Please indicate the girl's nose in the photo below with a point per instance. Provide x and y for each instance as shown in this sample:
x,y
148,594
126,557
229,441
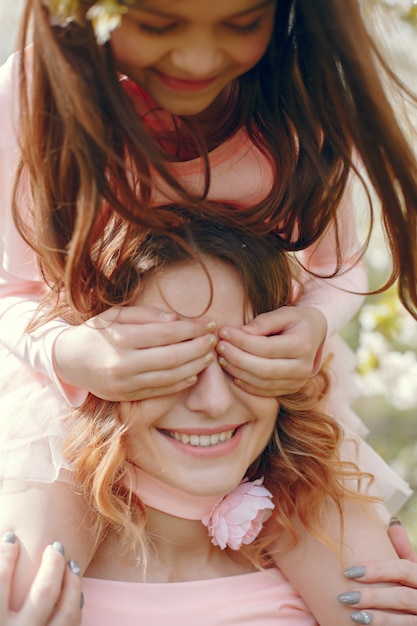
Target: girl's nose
x,y
212,393
198,58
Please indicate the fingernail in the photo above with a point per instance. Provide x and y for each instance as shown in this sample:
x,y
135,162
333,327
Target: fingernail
x,y
224,334
223,362
167,317
82,601
209,358
361,617
191,380
213,341
239,382
349,597
74,567
221,348
211,327
394,521
9,537
57,545
355,572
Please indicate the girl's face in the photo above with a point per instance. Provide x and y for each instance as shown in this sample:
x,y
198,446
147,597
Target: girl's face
x,y
201,440
184,53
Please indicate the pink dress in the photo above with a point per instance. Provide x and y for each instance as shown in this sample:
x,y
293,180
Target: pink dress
x,y
31,392
257,599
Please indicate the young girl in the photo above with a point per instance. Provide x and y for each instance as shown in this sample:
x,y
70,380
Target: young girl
x,y
124,106
177,532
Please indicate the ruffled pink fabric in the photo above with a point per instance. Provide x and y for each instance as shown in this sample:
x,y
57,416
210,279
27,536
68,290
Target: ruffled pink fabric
x,y
238,517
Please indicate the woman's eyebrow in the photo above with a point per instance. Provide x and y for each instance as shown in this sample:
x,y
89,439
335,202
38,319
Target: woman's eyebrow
x,y
148,8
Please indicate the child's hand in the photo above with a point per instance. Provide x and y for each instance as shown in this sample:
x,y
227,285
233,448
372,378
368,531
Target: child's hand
x,y
276,353
55,596
134,352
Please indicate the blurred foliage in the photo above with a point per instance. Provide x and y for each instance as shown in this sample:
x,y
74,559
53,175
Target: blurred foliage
x,y
384,337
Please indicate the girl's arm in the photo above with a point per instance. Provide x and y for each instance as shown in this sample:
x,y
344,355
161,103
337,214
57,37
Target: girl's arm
x,y
70,356
317,571
337,298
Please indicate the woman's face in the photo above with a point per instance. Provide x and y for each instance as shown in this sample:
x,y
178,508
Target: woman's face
x,y
184,53
201,440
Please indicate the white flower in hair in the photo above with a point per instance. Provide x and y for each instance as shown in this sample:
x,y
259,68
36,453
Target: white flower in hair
x,y
105,16
63,12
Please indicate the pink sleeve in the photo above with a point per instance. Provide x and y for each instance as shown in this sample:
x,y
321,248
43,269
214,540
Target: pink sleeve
x,y
334,297
21,284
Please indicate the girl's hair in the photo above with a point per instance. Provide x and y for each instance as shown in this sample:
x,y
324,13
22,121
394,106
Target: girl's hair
x,y
301,464
313,101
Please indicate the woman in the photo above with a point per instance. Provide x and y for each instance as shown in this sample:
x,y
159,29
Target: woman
x,y
153,470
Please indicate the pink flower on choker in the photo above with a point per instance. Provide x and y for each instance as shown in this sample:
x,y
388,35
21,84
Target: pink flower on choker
x,y
238,517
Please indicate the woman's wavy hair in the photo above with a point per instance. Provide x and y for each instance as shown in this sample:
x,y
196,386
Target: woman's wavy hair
x,y
315,99
301,464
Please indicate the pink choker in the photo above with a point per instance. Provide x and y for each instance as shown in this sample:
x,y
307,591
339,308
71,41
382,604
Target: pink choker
x,y
232,520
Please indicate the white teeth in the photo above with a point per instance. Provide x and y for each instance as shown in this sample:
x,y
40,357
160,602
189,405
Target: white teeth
x,y
203,440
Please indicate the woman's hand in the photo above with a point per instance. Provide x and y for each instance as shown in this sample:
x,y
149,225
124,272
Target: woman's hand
x,y
276,353
371,602
134,352
54,598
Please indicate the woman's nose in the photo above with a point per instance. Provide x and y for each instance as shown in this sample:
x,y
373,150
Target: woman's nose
x,y
211,394
198,58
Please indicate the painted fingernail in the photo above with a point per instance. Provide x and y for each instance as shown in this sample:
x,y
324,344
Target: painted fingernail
x,y
191,380
355,572
223,362
221,348
213,341
57,545
349,597
239,382
361,617
209,358
211,327
9,537
224,334
82,601
394,521
74,567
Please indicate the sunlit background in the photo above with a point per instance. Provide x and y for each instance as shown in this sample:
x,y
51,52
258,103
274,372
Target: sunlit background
x,y
383,335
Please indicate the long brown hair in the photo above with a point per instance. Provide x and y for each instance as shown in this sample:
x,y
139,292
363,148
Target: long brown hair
x,y
301,464
314,99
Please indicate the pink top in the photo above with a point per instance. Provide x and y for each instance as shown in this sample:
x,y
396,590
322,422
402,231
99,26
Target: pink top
x,y
256,599
239,174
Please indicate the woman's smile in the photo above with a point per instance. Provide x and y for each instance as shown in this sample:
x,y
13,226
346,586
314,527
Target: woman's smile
x,y
204,438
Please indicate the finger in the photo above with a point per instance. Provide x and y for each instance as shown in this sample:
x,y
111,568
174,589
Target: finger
x,y
170,356
68,611
401,541
396,570
162,382
131,315
141,336
264,356
398,598
379,618
9,552
46,588
264,375
274,322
